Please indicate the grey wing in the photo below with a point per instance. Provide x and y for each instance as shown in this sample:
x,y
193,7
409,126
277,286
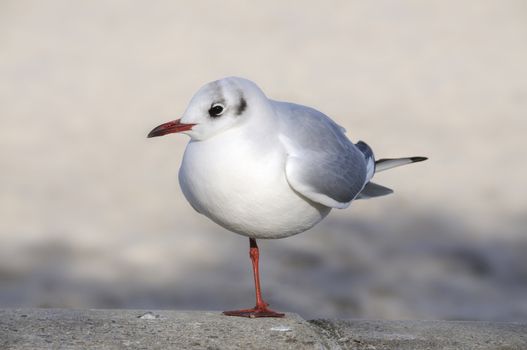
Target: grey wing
x,y
323,164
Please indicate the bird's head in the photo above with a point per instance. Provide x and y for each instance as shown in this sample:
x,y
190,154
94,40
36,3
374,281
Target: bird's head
x,y
216,107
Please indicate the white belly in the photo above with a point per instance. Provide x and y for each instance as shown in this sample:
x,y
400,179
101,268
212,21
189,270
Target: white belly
x,y
245,190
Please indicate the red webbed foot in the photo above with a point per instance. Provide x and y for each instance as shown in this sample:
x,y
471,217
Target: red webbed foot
x,y
261,311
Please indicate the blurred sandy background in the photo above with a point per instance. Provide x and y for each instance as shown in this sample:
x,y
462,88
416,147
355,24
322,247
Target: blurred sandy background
x,y
91,214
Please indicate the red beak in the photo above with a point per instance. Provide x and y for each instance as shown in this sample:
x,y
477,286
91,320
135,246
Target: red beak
x,y
169,128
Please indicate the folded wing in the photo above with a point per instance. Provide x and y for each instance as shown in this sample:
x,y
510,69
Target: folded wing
x,y
323,164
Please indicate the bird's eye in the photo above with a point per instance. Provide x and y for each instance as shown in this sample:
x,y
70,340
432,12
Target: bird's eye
x,y
216,110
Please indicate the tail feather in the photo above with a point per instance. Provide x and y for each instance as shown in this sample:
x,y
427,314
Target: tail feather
x,y
388,163
372,190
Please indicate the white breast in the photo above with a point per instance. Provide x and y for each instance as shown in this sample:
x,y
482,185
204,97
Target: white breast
x,y
242,186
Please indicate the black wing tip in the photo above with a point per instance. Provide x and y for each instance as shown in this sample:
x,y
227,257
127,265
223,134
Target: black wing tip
x,y
418,159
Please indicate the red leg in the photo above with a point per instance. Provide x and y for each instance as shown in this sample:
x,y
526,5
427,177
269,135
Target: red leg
x,y
260,310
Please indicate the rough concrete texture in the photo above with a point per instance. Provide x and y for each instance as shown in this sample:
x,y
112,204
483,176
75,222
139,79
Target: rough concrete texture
x,y
133,329
455,335
140,329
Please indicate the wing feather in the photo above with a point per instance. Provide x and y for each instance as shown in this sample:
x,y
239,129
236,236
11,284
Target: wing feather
x,y
323,164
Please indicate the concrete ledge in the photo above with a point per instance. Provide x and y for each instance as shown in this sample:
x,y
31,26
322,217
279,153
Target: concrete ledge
x,y
139,329
455,335
134,329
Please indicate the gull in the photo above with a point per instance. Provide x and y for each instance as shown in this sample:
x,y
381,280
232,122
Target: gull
x,y
267,169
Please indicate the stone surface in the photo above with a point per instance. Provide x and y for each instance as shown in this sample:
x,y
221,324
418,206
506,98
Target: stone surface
x,y
142,329
455,335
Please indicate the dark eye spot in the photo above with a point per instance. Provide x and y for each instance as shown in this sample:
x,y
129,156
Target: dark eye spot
x,y
241,106
216,110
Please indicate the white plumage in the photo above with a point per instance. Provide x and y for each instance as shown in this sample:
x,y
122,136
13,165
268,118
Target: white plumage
x,y
268,169
272,170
